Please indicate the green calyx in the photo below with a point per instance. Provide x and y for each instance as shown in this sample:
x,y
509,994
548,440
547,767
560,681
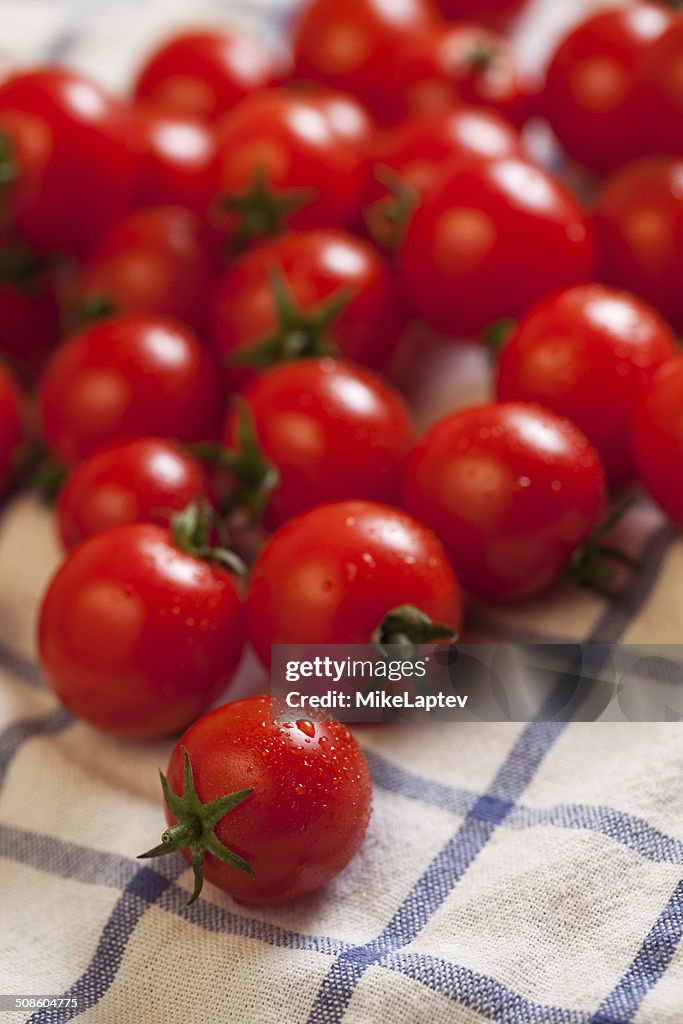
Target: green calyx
x,y
299,334
195,826
10,172
94,307
406,626
254,476
191,531
592,565
21,267
496,336
388,218
261,211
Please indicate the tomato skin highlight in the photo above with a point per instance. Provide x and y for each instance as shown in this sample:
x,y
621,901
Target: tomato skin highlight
x,y
591,90
363,47
658,439
138,481
175,157
11,427
638,218
574,348
136,637
309,811
75,169
489,239
511,490
331,429
131,376
290,141
331,574
315,266
205,73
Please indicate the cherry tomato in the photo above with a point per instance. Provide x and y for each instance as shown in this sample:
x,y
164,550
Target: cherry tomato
x,y
138,637
466,63
307,293
658,438
639,228
283,160
660,93
64,157
490,12
302,801
363,47
139,481
161,260
333,574
511,490
575,348
330,429
205,73
405,162
176,157
491,238
11,427
590,95
131,376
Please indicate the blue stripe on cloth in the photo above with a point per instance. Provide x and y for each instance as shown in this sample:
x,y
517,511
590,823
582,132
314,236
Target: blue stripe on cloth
x,y
440,877
627,829
20,668
96,867
12,738
479,992
145,887
648,967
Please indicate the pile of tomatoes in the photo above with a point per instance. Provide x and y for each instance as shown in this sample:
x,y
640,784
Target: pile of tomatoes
x,y
206,288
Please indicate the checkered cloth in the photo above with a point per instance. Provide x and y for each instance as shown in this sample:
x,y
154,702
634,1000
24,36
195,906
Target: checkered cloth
x,y
523,874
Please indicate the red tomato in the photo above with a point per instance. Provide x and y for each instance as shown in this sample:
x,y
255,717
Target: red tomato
x,y
658,438
466,64
64,153
491,238
139,481
11,427
284,161
159,260
132,376
205,73
330,429
332,575
302,801
575,348
511,490
137,636
335,293
176,157
413,155
590,95
29,311
660,93
491,12
363,47
639,228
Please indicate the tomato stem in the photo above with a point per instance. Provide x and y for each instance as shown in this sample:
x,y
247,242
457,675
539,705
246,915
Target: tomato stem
x,y
300,334
589,566
408,627
195,824
254,476
388,219
191,531
496,336
261,211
